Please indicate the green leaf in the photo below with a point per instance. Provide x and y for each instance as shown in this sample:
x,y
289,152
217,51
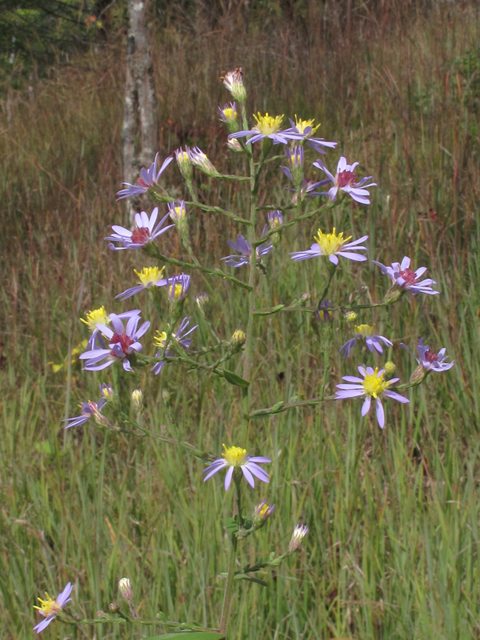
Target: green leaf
x,y
243,576
269,312
264,413
231,525
188,635
232,378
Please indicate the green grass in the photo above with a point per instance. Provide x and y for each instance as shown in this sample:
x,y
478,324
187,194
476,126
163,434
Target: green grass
x,y
393,514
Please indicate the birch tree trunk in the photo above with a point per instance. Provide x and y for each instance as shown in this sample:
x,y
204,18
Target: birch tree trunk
x,y
139,131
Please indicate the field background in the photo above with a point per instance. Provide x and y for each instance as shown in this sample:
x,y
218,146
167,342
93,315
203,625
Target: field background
x,y
393,514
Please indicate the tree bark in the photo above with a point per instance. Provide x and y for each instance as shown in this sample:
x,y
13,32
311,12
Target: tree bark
x,y
140,107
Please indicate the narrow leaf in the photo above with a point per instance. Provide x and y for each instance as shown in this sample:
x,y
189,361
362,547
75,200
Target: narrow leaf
x,y
232,378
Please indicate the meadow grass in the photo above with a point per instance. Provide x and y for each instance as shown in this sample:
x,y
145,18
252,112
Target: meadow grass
x,y
393,515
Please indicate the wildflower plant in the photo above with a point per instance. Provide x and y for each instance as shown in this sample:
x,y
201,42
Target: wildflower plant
x,y
121,338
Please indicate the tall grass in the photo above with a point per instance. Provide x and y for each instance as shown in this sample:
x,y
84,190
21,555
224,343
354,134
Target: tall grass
x,y
393,515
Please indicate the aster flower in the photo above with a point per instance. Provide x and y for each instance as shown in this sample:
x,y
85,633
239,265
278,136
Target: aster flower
x,y
50,608
373,385
180,336
89,410
406,279
275,219
178,287
346,181
233,81
236,457
302,131
266,127
372,340
148,178
332,245
149,277
323,314
122,342
100,316
430,360
177,210
245,248
184,162
229,115
295,162
145,231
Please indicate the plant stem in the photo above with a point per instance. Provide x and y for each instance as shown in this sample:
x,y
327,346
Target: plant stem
x,y
227,597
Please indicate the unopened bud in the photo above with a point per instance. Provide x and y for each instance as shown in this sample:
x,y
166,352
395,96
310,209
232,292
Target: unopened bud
x,y
298,535
202,301
238,339
351,316
137,401
323,314
389,368
234,145
418,375
184,163
201,161
229,115
393,294
107,392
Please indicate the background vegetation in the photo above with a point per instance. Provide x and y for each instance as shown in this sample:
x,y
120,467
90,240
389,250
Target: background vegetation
x,y
394,514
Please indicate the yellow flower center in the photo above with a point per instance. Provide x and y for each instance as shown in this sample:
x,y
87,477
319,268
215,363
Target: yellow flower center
x,y
229,113
294,159
97,316
389,367
177,292
364,330
303,124
183,157
149,275
267,124
374,384
263,510
235,456
159,340
330,243
49,607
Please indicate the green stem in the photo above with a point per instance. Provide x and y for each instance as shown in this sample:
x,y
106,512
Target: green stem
x,y
227,597
331,272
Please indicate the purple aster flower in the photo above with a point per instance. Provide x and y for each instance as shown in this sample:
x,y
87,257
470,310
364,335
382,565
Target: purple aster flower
x,y
275,219
430,360
373,386
100,316
149,277
50,608
346,181
89,410
402,276
148,178
245,248
295,161
266,127
180,336
178,287
122,342
323,314
331,245
302,131
372,341
236,457
145,231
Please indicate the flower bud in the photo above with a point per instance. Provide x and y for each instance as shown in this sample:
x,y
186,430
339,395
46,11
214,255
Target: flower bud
x,y
125,588
234,145
233,80
203,302
200,160
323,314
298,535
107,392
137,402
184,163
351,317
178,215
418,375
238,339
389,368
228,115
393,294
275,219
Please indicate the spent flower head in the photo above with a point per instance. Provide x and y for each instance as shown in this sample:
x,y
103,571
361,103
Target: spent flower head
x,y
372,384
298,536
234,458
233,81
332,245
50,607
200,160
